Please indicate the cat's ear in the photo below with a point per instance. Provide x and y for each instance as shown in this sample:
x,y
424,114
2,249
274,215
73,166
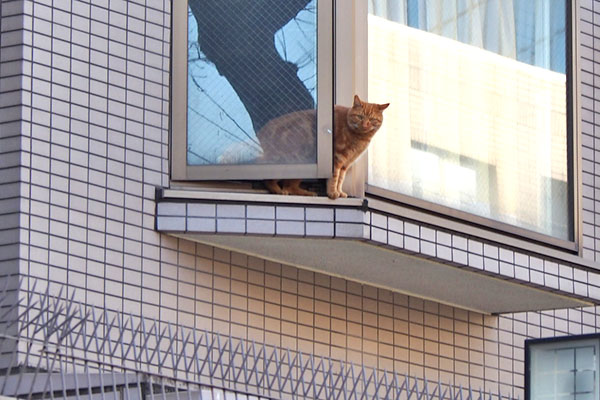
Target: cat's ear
x,y
357,102
383,106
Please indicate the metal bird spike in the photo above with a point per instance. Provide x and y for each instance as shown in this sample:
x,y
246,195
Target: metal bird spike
x,y
66,349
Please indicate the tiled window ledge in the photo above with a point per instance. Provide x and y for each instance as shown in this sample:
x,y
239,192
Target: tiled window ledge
x,y
243,197
242,221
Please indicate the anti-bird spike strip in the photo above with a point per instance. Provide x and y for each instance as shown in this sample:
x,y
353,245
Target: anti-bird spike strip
x,y
64,349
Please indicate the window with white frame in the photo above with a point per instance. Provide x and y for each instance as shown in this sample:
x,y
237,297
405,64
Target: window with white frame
x,y
563,369
480,122
481,125
239,69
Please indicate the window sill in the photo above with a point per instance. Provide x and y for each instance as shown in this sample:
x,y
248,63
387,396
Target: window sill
x,y
249,197
385,245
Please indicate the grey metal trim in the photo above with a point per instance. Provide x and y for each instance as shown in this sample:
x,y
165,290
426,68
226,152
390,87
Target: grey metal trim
x,y
361,44
325,34
575,128
29,382
248,171
178,90
322,168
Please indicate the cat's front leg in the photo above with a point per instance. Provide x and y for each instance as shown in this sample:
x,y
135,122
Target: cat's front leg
x,y
332,184
341,182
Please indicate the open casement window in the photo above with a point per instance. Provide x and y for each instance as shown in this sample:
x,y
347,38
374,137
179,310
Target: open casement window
x,y
562,369
252,89
481,122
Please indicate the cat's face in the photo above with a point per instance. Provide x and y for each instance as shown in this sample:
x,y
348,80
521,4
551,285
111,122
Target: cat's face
x,y
365,117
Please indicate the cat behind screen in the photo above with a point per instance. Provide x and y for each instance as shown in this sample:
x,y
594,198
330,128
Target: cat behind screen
x,y
290,139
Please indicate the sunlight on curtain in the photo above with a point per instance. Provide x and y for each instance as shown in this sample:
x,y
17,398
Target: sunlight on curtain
x,y
471,129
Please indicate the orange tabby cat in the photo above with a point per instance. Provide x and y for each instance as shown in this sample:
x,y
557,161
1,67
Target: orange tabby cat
x,y
353,130
291,139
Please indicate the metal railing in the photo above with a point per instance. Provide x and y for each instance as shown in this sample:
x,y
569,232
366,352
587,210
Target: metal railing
x,y
68,350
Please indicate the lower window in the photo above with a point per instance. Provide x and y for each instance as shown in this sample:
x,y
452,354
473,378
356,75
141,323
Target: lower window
x,y
562,369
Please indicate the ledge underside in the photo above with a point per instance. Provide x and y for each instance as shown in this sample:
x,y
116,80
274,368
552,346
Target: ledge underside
x,y
397,271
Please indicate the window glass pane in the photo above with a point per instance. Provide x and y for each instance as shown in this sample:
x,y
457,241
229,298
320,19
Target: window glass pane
x,y
585,374
565,359
564,383
584,382
585,396
563,371
251,82
546,384
546,361
478,115
585,357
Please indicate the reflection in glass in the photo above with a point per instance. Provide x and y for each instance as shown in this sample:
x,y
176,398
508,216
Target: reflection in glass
x,y
478,120
251,81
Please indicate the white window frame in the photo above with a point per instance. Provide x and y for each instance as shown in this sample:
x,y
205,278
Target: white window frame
x,y
180,171
345,41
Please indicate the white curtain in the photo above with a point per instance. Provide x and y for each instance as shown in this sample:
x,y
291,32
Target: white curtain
x,y
471,129
525,30
394,10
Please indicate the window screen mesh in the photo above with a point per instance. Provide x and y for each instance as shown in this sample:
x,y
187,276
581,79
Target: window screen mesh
x,y
251,81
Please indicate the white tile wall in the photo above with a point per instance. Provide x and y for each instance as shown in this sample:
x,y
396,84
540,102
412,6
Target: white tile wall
x,y
12,198
92,128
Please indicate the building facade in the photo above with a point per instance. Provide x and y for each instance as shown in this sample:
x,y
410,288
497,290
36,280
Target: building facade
x,y
90,216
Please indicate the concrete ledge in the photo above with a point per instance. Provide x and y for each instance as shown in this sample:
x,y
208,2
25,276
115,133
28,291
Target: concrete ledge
x,y
299,231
